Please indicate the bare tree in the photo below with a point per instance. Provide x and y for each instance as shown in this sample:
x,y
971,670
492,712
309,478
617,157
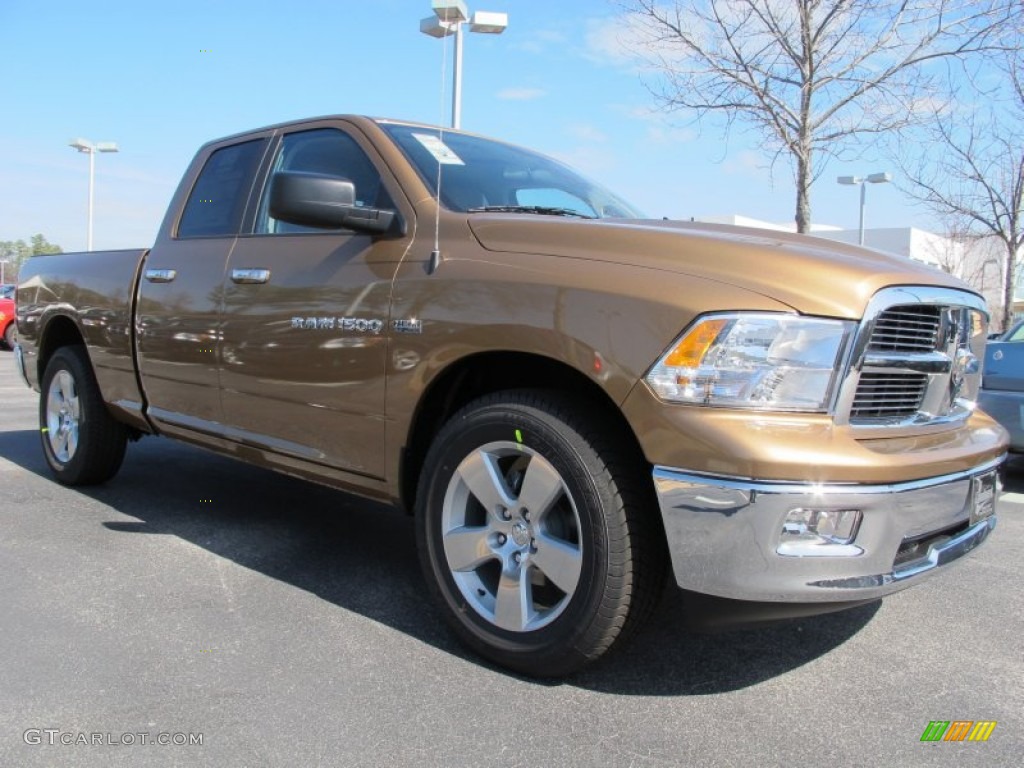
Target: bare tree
x,y
815,78
973,172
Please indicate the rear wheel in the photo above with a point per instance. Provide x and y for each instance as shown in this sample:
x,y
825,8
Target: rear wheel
x,y
82,443
532,533
9,336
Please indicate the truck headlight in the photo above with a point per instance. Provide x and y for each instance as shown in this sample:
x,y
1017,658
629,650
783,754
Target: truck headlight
x,y
754,360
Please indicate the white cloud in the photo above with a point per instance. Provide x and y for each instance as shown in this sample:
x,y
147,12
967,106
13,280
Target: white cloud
x,y
660,128
521,94
550,36
540,41
632,42
586,132
591,160
746,162
529,46
616,40
647,114
668,134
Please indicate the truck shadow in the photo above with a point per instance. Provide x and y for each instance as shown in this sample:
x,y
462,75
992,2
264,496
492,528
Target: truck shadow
x,y
361,556
668,659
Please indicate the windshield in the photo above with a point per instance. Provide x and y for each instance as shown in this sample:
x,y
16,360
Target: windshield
x,y
482,175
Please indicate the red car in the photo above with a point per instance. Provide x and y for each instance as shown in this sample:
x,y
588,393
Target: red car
x,y
7,322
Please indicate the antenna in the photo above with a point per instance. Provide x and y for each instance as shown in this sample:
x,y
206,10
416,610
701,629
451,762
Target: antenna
x,y
442,24
435,256
450,16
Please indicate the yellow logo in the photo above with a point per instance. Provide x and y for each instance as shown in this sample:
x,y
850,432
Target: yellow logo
x,y
958,730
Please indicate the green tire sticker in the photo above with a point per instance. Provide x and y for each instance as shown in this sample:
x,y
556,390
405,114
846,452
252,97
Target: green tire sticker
x,y
519,436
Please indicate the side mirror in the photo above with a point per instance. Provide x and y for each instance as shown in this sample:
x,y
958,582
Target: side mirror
x,y
327,202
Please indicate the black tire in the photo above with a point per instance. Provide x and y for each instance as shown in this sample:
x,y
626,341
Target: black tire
x,y
580,574
82,443
9,336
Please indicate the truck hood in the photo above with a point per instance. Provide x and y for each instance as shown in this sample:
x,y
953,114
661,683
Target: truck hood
x,y
812,275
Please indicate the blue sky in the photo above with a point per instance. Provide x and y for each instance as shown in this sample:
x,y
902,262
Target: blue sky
x,y
161,78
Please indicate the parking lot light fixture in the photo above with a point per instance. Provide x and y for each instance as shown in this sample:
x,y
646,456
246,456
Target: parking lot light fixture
x,y
449,18
87,147
859,181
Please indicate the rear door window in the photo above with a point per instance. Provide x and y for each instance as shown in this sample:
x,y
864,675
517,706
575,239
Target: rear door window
x,y
218,198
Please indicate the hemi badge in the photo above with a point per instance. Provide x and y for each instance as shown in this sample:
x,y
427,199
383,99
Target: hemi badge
x,y
407,326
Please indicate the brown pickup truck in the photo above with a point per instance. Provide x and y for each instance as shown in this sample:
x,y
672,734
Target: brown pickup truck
x,y
568,397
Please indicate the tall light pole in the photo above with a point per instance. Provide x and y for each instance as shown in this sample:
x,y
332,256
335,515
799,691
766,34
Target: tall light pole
x,y
448,19
874,178
83,145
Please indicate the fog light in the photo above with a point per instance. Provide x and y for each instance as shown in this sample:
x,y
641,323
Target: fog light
x,y
821,532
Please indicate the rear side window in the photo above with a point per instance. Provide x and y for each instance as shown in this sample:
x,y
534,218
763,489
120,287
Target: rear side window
x,y
218,198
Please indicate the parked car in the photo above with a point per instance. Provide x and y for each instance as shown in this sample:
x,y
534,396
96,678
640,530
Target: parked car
x,y
1014,333
7,326
1002,385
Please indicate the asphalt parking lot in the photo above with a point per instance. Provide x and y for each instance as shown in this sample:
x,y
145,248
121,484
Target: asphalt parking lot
x,y
285,624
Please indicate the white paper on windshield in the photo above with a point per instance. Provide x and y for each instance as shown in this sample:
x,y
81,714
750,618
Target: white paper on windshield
x,y
441,151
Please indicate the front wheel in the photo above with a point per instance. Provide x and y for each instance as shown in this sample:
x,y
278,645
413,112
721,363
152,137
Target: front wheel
x,y
9,336
533,535
82,443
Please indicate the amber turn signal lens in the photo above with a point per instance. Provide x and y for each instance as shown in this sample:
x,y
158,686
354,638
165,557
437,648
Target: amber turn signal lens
x,y
690,350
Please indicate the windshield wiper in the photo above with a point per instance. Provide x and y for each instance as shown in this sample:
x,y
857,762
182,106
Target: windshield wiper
x,y
543,210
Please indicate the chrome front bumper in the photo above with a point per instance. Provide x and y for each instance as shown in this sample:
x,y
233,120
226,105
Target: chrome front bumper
x,y
724,535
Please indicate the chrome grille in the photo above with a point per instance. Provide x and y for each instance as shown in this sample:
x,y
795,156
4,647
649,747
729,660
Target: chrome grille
x,y
888,396
916,362
906,328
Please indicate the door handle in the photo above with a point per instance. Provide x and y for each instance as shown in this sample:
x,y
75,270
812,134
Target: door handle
x,y
161,275
246,276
